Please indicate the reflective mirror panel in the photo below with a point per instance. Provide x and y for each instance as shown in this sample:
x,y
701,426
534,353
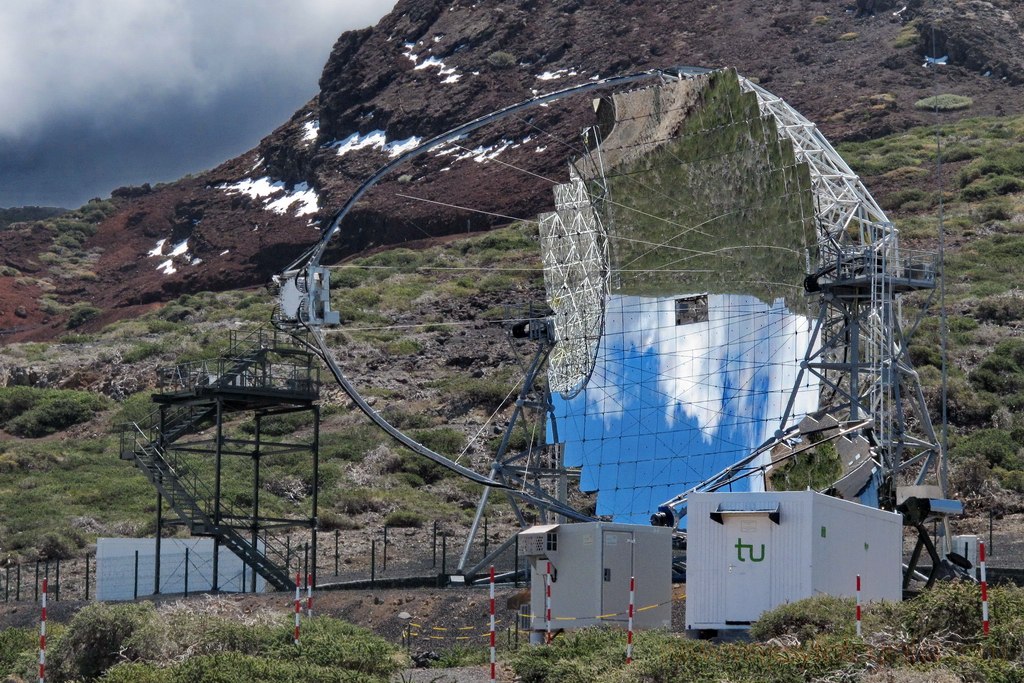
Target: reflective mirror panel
x,y
707,220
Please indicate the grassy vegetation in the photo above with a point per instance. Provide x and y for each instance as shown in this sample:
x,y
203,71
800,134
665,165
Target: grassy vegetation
x,y
136,642
809,640
944,102
33,413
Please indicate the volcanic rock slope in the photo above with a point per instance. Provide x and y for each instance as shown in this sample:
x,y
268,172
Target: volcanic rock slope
x,y
430,65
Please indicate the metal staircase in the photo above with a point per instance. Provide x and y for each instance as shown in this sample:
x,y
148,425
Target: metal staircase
x,y
258,372
194,503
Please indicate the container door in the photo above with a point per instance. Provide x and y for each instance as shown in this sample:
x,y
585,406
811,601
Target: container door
x,y
748,584
617,561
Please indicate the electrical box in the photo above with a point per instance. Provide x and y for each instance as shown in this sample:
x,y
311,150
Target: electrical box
x,y
590,567
750,552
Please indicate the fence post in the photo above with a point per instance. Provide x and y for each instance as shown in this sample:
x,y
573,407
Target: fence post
x,y
56,581
7,583
42,637
305,558
373,560
298,606
336,534
858,607
984,589
87,577
547,605
384,564
991,514
35,585
135,589
186,571
493,658
309,595
444,554
17,585
515,571
629,626
433,562
485,535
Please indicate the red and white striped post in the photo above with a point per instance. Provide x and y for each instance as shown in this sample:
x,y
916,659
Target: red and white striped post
x,y
984,589
42,636
629,625
494,660
309,595
298,604
858,606
547,605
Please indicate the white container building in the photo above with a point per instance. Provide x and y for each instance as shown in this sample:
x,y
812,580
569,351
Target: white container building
x,y
750,552
591,564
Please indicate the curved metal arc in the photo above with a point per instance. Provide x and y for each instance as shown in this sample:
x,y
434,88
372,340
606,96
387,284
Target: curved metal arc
x,y
418,448
313,255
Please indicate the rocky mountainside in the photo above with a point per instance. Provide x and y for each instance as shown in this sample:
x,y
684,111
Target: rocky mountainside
x,y
430,65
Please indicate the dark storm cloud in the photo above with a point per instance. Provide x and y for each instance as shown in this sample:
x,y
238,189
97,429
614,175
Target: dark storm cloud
x,y
102,93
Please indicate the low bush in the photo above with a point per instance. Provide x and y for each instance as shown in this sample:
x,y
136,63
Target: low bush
x,y
501,59
32,413
358,501
15,645
101,635
806,619
405,519
81,314
332,521
944,102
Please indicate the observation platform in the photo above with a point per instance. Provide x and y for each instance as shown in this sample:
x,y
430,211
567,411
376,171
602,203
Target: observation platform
x,y
267,374
859,272
262,370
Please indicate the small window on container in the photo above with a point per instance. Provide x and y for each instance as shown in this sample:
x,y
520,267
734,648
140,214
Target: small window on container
x,y
552,544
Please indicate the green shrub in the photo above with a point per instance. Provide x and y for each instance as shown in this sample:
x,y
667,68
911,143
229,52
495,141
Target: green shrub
x,y
993,446
443,440
944,102
352,444
331,521
60,546
908,36
135,672
81,314
421,466
1001,310
358,501
234,667
852,35
1002,371
806,619
100,635
501,59
142,352
404,518
279,425
334,643
15,644
32,413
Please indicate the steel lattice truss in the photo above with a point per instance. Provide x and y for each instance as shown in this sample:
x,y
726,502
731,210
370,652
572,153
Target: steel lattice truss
x,y
858,350
574,250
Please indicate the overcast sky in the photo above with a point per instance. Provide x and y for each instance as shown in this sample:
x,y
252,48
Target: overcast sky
x,y
95,94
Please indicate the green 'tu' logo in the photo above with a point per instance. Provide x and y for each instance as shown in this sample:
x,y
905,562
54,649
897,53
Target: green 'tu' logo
x,y
740,546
